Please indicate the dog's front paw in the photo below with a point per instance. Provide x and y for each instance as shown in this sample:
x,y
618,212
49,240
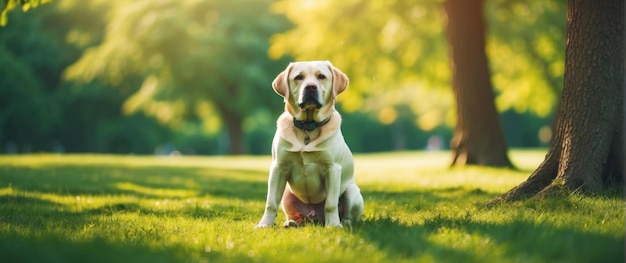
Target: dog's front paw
x,y
261,225
334,225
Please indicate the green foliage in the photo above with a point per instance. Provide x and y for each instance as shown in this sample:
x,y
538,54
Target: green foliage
x,y
12,4
97,208
399,55
527,54
31,62
197,58
147,74
99,126
363,133
381,53
517,137
24,112
40,112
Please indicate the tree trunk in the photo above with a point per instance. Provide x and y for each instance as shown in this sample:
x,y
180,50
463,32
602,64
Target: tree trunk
x,y
235,135
478,137
233,122
587,153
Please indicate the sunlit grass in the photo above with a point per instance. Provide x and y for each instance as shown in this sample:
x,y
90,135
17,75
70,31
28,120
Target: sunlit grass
x,y
101,208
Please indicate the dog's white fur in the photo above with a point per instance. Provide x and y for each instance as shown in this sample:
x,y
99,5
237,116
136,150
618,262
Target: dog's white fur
x,y
320,171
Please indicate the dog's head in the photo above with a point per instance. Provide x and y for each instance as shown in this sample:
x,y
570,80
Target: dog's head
x,y
310,88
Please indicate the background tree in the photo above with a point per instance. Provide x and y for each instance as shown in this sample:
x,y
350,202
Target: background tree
x,y
587,153
397,60
478,137
23,110
392,57
39,111
198,59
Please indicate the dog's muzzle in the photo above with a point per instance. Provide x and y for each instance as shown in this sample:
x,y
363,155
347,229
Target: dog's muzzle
x,y
310,97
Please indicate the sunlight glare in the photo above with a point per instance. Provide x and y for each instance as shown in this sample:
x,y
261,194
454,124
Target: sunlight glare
x,y
387,115
162,192
430,119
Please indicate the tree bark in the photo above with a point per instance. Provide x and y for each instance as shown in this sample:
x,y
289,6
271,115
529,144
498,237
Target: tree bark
x,y
587,153
478,137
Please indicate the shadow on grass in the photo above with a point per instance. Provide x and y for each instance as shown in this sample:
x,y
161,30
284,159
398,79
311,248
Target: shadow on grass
x,y
34,229
142,182
400,241
192,187
404,241
59,249
427,199
37,230
521,240
526,240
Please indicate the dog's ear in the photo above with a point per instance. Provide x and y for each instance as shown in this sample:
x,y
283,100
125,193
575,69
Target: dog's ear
x,y
281,82
340,80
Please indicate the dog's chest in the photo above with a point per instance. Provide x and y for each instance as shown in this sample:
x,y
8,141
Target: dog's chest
x,y
308,174
308,164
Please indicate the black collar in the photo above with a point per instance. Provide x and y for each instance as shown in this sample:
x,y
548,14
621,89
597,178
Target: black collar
x,y
309,125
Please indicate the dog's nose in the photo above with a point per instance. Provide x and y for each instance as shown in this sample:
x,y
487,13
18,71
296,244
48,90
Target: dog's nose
x,y
310,87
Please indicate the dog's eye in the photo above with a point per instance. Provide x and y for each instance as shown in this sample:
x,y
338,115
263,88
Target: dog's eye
x,y
299,77
321,76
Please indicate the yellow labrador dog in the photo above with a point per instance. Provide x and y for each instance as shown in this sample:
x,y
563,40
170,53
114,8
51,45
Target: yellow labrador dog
x,y
312,167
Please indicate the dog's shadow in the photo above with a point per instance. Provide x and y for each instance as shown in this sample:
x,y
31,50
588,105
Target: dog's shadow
x,y
391,232
401,241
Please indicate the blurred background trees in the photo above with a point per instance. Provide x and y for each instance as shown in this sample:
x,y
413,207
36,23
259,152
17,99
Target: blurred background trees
x,y
194,76
200,61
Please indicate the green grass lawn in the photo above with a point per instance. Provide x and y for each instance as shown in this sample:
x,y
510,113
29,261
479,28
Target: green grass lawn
x,y
104,208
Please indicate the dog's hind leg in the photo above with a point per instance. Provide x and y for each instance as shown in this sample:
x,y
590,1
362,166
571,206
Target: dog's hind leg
x,y
295,210
353,205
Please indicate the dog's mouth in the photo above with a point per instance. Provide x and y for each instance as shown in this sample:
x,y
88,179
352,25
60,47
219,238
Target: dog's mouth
x,y
309,100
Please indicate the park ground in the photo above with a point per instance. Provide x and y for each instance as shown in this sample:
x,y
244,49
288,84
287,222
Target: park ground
x,y
123,208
